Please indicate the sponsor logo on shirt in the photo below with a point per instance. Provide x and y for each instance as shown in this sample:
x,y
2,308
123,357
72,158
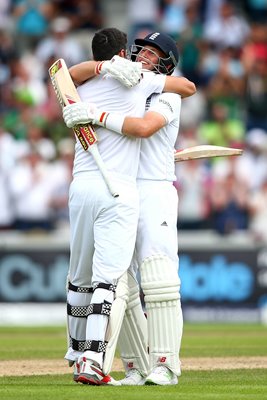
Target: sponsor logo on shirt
x,y
166,103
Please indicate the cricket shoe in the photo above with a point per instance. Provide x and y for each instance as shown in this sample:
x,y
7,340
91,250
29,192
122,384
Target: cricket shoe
x,y
76,371
90,374
133,378
161,375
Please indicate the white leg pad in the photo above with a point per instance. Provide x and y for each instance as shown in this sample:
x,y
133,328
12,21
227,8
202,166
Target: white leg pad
x,y
161,284
115,321
76,327
133,341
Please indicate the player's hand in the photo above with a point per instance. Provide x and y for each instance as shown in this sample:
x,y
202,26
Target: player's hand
x,y
81,113
127,72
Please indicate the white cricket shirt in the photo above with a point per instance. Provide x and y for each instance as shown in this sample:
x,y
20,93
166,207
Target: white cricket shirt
x,y
120,153
157,151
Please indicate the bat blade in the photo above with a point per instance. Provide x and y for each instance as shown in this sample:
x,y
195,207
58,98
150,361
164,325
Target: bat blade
x,y
205,151
66,93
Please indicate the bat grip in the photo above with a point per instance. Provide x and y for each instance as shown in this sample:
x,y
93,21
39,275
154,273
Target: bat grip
x,y
102,168
88,139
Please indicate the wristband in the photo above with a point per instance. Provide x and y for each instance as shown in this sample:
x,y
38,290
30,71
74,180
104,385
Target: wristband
x,y
114,122
103,118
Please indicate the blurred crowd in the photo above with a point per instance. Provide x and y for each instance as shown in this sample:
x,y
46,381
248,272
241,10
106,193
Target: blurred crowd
x,y
223,50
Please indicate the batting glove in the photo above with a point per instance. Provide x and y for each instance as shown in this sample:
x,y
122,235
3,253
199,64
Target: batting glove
x,y
83,113
127,72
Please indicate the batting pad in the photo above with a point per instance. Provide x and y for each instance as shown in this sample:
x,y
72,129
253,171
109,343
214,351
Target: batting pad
x,y
133,341
115,321
76,323
161,285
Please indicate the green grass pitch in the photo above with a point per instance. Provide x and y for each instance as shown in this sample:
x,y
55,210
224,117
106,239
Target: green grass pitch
x,y
198,341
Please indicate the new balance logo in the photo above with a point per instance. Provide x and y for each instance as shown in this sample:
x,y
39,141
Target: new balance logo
x,y
164,224
162,359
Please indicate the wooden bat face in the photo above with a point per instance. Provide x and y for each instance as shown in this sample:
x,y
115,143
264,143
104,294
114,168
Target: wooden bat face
x,y
205,151
66,93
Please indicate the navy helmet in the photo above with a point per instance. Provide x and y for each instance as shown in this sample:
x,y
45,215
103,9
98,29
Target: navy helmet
x,y
164,43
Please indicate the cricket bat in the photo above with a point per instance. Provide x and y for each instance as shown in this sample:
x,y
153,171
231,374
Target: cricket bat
x,y
67,94
205,151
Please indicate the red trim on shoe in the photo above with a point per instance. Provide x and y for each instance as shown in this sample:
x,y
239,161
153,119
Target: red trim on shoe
x,y
88,381
97,370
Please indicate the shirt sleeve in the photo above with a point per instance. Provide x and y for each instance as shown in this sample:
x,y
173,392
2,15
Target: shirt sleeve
x,y
168,105
152,83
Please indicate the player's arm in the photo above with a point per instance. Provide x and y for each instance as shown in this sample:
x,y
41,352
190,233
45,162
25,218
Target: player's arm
x,y
80,73
82,113
180,85
121,70
161,114
125,71
142,127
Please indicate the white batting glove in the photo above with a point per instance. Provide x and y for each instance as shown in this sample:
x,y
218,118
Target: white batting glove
x,y
127,72
82,113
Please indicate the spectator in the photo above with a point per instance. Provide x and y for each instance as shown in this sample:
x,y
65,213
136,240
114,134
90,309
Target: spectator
x,y
225,83
221,130
142,18
189,43
31,183
256,94
173,19
60,44
5,15
198,103
192,185
229,205
7,162
251,167
228,30
62,169
32,19
255,46
83,14
27,87
211,10
36,140
258,213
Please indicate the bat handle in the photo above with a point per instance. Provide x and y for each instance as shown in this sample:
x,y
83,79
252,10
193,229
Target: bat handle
x,y
102,168
88,139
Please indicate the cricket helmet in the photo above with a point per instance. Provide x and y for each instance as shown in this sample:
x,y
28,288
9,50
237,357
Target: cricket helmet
x,y
164,43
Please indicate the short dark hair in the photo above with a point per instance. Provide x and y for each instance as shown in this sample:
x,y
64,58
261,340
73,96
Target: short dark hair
x,y
107,43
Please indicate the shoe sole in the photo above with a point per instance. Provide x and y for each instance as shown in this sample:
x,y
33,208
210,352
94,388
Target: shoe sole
x,y
150,383
88,380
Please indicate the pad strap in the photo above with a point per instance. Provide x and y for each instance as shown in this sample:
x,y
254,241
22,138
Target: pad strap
x,y
77,345
80,289
95,345
84,311
107,286
84,345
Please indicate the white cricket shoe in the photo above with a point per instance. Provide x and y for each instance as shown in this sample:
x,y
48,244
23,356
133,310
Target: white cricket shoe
x,y
90,374
133,377
161,375
76,371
